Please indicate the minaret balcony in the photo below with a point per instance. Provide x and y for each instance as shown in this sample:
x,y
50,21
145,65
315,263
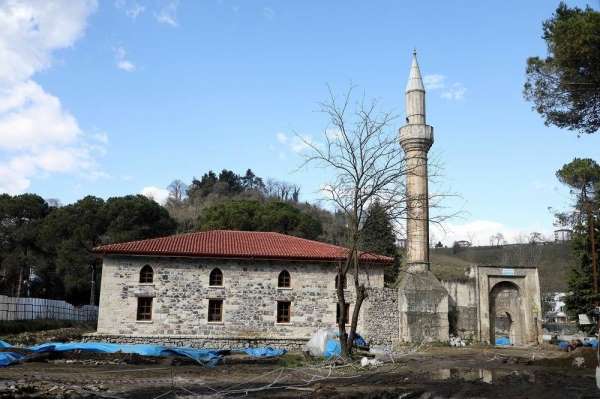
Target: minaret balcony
x,y
416,135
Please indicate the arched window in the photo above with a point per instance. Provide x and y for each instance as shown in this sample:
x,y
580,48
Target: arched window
x,y
284,280
216,277
146,274
344,282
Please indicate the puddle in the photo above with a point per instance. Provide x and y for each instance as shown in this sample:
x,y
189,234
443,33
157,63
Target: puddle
x,y
475,374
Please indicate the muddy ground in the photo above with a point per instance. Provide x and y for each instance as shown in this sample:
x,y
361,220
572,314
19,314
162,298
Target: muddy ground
x,y
432,373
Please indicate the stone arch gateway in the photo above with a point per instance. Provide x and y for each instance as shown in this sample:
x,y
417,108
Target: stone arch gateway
x,y
509,304
506,313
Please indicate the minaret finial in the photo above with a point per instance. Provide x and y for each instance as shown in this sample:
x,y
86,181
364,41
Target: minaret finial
x,y
415,81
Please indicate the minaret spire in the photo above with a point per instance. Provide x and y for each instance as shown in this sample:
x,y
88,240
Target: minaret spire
x,y
415,94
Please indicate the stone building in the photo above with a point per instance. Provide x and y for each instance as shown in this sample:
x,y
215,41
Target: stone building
x,y
225,288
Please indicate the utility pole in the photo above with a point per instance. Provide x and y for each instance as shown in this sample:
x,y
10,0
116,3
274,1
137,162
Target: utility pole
x,y
93,285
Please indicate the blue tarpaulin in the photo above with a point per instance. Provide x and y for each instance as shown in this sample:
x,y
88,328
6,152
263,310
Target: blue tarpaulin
x,y
8,358
333,347
502,341
359,341
205,356
264,352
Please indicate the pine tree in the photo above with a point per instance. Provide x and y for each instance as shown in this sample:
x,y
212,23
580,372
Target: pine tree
x,y
582,176
378,236
581,299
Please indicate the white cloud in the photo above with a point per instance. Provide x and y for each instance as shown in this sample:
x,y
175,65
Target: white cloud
x,y
168,13
121,59
135,10
132,9
37,134
434,81
31,30
299,144
295,143
31,118
454,91
281,137
157,194
268,13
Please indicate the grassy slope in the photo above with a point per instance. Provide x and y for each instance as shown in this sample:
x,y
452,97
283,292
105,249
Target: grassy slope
x,y
554,262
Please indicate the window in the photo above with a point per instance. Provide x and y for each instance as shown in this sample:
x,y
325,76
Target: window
x,y
283,311
337,313
216,277
146,274
284,280
144,308
215,310
344,282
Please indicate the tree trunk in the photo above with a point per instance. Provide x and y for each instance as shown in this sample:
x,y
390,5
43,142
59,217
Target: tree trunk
x,y
341,277
361,294
594,256
20,282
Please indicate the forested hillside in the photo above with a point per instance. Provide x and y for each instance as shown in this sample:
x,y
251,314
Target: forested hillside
x,y
554,261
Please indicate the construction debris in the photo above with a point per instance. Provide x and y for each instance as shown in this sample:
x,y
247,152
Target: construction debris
x,y
456,342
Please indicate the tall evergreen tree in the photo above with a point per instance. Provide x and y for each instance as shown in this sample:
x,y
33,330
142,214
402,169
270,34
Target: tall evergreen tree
x,y
378,236
582,176
564,86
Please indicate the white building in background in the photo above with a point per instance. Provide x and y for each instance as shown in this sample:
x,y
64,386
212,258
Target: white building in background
x,y
562,235
558,310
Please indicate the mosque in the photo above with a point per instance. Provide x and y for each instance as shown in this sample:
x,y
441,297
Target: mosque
x,y
233,288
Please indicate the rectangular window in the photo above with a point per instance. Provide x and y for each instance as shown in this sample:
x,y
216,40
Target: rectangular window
x,y
215,310
283,311
144,309
337,313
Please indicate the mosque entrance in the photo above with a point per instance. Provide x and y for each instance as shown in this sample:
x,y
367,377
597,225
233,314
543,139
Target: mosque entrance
x,y
506,315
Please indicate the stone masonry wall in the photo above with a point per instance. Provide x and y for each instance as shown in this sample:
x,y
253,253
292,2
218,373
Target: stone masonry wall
x,y
250,294
193,341
380,317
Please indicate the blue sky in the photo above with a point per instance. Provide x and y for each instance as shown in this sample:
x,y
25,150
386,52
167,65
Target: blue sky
x,y
114,97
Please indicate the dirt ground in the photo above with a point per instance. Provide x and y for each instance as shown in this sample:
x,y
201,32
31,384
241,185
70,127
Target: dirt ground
x,y
435,372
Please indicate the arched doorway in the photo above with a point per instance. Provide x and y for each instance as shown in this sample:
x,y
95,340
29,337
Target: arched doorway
x,y
506,314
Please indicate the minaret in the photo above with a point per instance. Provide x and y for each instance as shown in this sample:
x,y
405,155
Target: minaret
x,y
416,138
422,299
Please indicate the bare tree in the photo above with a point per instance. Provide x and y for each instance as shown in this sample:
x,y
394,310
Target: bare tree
x,y
369,166
281,190
177,190
471,237
497,239
536,238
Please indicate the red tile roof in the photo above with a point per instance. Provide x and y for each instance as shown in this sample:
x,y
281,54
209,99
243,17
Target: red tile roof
x,y
237,244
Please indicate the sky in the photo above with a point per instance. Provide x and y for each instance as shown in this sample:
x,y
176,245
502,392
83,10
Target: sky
x,y
120,97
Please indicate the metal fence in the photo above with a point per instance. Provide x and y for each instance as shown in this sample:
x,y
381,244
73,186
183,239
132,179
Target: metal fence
x,y
44,309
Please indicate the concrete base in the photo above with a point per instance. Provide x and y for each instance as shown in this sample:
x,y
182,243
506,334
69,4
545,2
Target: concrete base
x,y
423,308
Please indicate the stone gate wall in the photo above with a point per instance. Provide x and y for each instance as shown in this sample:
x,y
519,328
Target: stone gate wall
x,y
462,308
